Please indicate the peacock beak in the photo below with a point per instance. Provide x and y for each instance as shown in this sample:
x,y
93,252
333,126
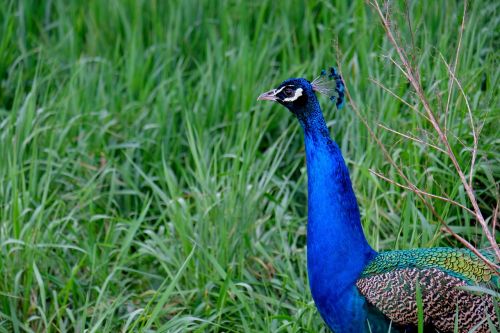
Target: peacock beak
x,y
268,96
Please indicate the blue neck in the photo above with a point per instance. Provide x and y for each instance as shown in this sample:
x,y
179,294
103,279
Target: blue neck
x,y
337,250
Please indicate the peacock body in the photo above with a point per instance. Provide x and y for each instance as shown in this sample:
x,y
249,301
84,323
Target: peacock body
x,y
355,288
391,278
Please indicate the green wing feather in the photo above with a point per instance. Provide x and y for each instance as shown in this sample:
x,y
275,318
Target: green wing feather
x,y
390,280
460,263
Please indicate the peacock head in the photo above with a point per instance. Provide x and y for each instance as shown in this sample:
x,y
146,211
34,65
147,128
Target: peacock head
x,y
295,94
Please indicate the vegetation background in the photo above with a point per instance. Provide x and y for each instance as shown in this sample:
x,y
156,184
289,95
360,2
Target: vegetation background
x,y
143,188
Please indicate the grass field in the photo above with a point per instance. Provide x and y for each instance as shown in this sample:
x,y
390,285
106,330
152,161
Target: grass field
x,y
143,188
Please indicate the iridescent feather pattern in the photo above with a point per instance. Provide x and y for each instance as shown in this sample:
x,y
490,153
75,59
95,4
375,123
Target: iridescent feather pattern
x,y
460,263
390,280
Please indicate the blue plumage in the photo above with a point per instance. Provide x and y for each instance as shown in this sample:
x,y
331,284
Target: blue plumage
x,y
337,250
355,288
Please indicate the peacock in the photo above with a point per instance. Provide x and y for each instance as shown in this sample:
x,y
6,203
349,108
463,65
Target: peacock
x,y
355,288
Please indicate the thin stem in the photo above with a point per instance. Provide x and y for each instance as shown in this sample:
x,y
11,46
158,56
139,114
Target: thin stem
x,y
412,75
416,190
411,185
407,136
401,99
469,112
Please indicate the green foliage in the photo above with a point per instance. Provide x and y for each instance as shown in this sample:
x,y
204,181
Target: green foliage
x,y
142,187
420,309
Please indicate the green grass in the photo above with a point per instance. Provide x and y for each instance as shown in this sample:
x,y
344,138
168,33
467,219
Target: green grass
x,y
143,188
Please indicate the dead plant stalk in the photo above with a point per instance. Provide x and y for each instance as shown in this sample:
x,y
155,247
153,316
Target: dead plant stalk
x,y
412,75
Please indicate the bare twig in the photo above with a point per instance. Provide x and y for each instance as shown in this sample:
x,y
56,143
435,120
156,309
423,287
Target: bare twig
x,y
495,217
474,132
416,190
410,137
413,77
401,99
450,83
412,36
410,184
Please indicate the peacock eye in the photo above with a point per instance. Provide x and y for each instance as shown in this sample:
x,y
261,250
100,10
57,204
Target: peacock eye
x,y
288,92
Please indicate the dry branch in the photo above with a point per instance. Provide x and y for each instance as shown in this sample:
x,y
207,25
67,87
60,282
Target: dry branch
x,y
412,75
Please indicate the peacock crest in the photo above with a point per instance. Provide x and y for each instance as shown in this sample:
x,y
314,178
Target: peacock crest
x,y
330,84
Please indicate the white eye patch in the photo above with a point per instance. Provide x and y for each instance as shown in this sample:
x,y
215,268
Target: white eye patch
x,y
276,92
297,94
